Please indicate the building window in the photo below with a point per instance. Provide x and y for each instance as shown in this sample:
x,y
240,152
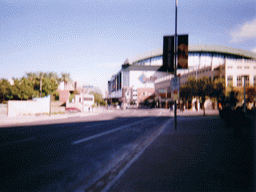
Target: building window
x,y
88,99
247,81
230,67
246,67
239,81
239,67
230,81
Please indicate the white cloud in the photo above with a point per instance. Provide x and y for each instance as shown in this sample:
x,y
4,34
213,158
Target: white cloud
x,y
244,32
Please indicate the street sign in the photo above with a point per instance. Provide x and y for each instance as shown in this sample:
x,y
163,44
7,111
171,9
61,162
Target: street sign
x,y
175,88
175,83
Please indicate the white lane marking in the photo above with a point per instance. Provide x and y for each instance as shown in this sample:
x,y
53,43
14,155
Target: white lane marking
x,y
107,132
128,165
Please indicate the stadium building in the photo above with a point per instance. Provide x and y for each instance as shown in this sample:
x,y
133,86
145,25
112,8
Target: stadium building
x,y
141,79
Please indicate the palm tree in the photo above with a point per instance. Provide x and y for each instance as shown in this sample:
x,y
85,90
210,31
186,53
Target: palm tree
x,y
66,78
52,76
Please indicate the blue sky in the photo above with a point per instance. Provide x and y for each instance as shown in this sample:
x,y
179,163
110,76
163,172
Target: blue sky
x,y
90,39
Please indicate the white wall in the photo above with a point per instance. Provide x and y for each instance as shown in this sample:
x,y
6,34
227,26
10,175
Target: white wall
x,y
28,107
61,86
240,67
88,99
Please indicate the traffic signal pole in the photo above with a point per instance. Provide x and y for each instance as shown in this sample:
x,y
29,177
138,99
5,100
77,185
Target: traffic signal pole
x,y
175,62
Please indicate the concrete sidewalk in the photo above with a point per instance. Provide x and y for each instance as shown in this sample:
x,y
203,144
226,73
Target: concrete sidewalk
x,y
22,119
17,120
202,155
200,112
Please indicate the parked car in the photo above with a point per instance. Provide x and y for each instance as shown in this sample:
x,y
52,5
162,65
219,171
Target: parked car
x,y
73,110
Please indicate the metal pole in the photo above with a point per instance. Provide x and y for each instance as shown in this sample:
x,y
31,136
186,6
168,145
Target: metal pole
x,y
40,85
50,110
166,99
244,95
175,62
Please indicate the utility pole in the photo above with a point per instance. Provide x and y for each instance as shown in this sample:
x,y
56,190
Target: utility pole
x,y
40,85
50,109
175,62
245,77
166,99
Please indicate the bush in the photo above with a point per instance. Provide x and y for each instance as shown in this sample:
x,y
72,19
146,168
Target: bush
x,y
102,103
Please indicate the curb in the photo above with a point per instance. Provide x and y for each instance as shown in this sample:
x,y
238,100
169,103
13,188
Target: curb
x,y
18,120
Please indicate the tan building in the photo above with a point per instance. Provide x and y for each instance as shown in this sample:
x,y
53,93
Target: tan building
x,y
217,62
142,72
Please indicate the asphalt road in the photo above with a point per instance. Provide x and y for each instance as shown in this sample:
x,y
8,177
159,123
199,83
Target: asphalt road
x,y
75,154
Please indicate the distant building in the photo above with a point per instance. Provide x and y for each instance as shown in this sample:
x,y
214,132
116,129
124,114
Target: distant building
x,y
140,78
133,83
216,62
65,90
85,100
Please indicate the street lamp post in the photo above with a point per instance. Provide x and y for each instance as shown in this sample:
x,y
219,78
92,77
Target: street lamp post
x,y
175,62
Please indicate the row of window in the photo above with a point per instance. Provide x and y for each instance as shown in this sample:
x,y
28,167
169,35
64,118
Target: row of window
x,y
239,81
194,73
240,67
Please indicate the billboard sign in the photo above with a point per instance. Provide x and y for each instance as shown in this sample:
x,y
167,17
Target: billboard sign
x,y
182,52
168,54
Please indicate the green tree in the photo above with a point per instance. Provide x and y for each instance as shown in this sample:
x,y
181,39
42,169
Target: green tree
x,y
186,93
43,83
5,90
49,86
189,90
36,78
98,98
53,76
204,89
192,85
251,93
22,89
201,88
218,88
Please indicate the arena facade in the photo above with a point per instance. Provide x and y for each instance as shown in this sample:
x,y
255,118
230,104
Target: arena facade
x,y
140,77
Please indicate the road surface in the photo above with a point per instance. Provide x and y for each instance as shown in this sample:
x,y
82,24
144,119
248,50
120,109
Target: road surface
x,y
74,155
